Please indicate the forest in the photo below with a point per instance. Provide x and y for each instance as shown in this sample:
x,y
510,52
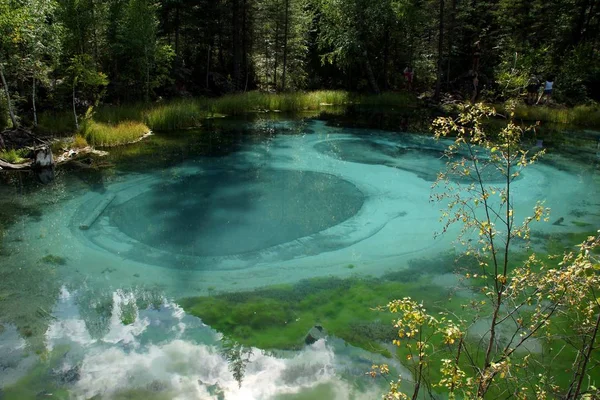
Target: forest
x,y
63,54
299,199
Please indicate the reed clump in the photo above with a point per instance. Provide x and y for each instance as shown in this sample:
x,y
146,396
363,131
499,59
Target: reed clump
x,y
106,135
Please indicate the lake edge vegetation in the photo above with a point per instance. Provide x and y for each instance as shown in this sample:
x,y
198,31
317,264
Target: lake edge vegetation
x,y
66,56
539,300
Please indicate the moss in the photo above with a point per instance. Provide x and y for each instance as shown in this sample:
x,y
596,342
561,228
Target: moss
x,y
581,224
558,243
280,317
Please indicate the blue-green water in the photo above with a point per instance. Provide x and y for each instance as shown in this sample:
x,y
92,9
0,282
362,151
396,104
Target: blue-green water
x,y
93,312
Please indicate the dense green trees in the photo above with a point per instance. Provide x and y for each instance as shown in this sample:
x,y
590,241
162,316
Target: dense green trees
x,y
171,48
29,49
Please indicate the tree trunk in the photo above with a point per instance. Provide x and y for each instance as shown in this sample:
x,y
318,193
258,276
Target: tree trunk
x,y
94,31
586,358
177,23
275,55
35,122
208,66
386,55
237,56
147,61
74,109
285,43
10,109
438,83
371,75
266,69
450,38
578,30
220,49
245,43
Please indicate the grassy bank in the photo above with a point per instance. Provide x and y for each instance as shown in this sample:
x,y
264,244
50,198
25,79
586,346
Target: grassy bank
x,y
189,113
583,116
105,135
176,115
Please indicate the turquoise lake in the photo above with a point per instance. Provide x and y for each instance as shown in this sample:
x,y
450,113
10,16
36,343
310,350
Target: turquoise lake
x,y
92,266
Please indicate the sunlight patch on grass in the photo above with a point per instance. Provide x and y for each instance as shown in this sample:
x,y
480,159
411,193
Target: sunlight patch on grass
x,y
585,116
105,135
14,156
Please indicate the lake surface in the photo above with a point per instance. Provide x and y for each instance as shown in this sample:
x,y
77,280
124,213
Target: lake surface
x,y
93,266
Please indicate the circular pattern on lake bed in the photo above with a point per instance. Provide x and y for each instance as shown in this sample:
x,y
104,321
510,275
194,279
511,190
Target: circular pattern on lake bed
x,y
228,212
425,161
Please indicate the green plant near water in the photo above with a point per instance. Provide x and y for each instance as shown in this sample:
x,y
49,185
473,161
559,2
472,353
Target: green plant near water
x,y
113,125
79,142
533,301
14,156
582,115
99,134
176,115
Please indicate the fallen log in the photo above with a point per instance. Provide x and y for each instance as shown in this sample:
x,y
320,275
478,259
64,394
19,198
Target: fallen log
x,y
43,160
7,165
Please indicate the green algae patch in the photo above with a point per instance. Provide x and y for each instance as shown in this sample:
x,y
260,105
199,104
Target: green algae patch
x,y
280,317
54,260
559,243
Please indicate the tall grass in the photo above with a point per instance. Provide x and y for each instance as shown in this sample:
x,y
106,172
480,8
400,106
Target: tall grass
x,y
585,116
105,135
236,104
181,114
110,125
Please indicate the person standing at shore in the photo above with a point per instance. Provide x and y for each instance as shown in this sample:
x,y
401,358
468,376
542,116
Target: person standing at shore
x,y
548,87
533,88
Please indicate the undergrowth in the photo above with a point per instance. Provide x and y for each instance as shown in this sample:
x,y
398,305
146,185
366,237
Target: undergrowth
x,y
14,156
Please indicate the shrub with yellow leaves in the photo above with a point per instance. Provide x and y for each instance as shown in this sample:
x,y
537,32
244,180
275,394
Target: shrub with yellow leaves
x,y
520,301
